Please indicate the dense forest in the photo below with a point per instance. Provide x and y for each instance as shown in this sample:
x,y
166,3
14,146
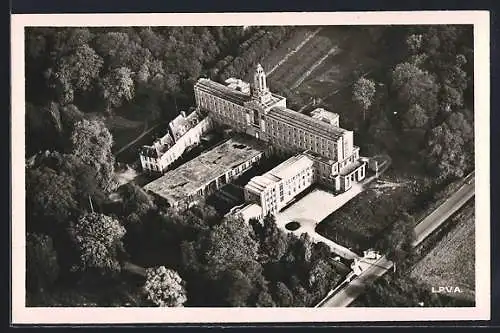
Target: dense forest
x,y
142,73
80,244
422,109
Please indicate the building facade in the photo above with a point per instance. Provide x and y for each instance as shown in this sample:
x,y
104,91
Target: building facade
x,y
184,132
264,115
277,188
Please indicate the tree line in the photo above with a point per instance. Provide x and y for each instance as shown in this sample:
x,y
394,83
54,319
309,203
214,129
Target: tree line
x,y
192,258
138,72
78,238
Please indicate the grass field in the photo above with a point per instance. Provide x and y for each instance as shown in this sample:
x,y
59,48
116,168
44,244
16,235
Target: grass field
x,y
360,222
452,261
339,69
123,130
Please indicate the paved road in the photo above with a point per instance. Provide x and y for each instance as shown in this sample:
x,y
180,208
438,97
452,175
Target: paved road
x,y
347,295
443,212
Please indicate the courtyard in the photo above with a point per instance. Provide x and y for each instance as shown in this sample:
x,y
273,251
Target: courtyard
x,y
305,212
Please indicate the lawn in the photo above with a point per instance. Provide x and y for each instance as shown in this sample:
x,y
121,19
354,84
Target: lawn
x,y
330,83
452,261
123,134
359,223
341,68
131,154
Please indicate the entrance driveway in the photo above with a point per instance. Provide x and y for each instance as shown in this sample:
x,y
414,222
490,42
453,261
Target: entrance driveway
x,y
314,208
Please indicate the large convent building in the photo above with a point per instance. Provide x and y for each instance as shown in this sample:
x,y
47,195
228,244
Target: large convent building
x,y
255,110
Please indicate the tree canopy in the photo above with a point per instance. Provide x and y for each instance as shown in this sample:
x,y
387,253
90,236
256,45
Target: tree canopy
x,y
99,241
91,143
50,195
164,287
363,93
42,268
230,246
449,147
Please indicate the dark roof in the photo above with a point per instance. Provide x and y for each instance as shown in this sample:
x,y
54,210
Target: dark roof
x,y
188,178
222,91
306,123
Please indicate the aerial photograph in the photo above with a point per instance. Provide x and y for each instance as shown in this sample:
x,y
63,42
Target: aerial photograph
x,y
250,166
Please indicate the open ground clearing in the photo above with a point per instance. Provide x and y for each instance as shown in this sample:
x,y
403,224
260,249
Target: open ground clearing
x,y
328,63
359,223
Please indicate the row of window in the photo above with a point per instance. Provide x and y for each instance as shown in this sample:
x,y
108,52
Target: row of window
x,y
350,160
305,141
244,166
152,166
296,132
219,105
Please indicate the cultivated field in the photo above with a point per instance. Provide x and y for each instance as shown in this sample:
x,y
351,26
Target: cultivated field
x,y
292,70
452,261
330,62
286,50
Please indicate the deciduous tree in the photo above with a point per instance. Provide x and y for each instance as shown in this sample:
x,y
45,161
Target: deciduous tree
x,y
91,143
363,93
415,117
99,240
449,145
236,288
415,86
230,246
77,72
274,242
397,242
42,268
117,87
50,195
164,287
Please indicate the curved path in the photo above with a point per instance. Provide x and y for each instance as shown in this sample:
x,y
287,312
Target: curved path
x,y
315,206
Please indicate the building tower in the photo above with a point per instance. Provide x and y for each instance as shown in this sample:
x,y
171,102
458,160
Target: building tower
x,y
260,90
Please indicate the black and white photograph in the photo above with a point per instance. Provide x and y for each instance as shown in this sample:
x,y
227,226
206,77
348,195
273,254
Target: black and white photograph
x,y
211,163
